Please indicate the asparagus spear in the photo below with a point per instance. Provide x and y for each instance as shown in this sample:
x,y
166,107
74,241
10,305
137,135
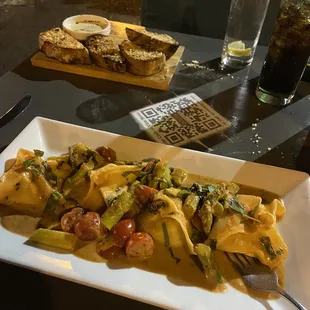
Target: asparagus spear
x,y
52,210
206,217
122,204
79,175
161,176
54,238
190,205
81,153
178,176
206,258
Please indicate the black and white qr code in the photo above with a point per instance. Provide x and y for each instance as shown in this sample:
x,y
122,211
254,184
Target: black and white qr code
x,y
180,120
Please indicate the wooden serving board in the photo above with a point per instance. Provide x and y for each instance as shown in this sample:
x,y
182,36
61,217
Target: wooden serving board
x,y
160,80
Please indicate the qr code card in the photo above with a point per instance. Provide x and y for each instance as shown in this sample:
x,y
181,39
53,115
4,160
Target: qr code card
x,y
180,120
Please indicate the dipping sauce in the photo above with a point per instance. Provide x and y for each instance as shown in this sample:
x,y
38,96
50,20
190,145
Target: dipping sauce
x,y
88,26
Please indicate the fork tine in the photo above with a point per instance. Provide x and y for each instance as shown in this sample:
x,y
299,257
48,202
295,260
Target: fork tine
x,y
228,256
235,262
239,258
245,258
251,260
256,261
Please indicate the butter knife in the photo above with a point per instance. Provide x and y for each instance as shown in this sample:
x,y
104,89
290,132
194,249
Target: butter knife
x,y
14,111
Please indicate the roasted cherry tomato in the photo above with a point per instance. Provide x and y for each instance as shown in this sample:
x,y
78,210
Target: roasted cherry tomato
x,y
122,231
107,153
68,220
145,194
140,246
88,227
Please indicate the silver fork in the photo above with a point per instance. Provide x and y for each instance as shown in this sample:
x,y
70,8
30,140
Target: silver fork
x,y
259,276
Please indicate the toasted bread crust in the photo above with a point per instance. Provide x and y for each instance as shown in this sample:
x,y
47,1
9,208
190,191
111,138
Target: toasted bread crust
x,y
140,61
101,44
57,44
153,41
105,53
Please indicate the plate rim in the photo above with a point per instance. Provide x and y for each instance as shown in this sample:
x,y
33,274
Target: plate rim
x,y
38,121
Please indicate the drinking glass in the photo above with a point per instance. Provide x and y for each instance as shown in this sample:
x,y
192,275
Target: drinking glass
x,y
245,22
288,54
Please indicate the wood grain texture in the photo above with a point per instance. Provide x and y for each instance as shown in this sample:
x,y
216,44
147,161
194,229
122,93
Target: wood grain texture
x,y
160,80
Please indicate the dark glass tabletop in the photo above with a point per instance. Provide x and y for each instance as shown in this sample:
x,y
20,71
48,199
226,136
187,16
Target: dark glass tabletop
x,y
284,138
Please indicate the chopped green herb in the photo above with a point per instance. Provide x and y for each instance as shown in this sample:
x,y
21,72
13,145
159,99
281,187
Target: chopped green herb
x,y
167,243
28,163
252,218
213,189
17,186
266,243
34,167
196,188
38,153
156,205
236,206
252,212
279,252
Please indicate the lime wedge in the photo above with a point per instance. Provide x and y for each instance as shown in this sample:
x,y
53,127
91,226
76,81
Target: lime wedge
x,y
237,48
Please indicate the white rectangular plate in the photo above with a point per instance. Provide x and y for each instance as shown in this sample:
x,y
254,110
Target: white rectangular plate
x,y
54,137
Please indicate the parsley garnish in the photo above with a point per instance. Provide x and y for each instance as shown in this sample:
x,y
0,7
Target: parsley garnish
x,y
266,243
38,153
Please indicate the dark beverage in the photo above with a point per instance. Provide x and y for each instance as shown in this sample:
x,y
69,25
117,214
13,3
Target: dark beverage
x,y
288,53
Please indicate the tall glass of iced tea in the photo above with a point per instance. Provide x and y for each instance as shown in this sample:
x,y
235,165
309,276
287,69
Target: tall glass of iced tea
x,y
288,54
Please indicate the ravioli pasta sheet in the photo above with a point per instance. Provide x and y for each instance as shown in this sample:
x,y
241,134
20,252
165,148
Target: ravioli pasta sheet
x,y
233,234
